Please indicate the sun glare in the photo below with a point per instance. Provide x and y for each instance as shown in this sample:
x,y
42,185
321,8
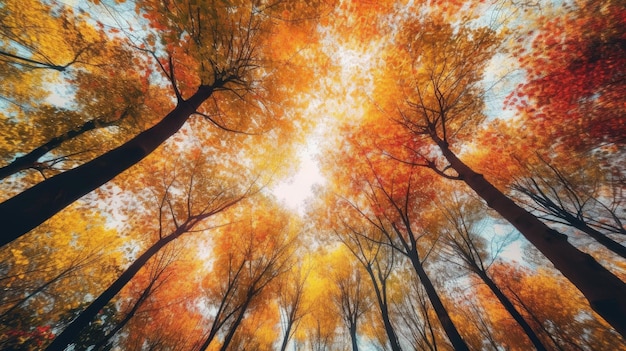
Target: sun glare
x,y
344,100
297,189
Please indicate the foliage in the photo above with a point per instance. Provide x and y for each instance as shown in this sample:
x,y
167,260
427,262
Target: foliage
x,y
187,113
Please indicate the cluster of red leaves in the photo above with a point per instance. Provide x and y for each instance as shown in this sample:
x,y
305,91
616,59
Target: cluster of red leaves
x,y
28,339
575,91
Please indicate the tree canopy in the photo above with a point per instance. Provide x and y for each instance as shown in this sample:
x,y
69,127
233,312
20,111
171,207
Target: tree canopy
x,y
469,191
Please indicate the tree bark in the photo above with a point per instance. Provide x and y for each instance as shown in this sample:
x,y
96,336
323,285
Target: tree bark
x,y
442,314
509,307
605,292
73,330
236,323
381,298
101,345
27,210
601,238
355,346
283,345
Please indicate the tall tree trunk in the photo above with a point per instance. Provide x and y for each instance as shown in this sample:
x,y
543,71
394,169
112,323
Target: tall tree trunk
x,y
605,292
381,298
27,210
442,314
283,345
557,210
601,238
101,345
236,323
355,346
73,330
509,307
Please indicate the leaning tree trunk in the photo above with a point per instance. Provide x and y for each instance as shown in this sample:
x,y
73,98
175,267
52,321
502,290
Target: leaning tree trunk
x,y
605,292
233,328
101,345
27,210
73,330
442,314
601,238
510,308
283,344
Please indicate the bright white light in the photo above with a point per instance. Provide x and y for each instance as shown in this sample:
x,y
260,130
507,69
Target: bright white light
x,y
296,190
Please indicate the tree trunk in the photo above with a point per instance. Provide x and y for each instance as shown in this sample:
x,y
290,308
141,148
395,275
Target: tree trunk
x,y
283,345
442,314
355,346
101,345
601,238
381,298
72,331
236,323
509,307
605,292
27,210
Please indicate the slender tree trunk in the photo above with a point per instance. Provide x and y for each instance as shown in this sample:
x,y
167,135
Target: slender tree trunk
x,y
355,346
27,210
236,323
442,314
100,345
602,239
73,330
605,292
538,321
30,159
283,345
381,298
509,307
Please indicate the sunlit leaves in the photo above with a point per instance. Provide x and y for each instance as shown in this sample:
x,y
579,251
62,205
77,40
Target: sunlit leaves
x,y
573,76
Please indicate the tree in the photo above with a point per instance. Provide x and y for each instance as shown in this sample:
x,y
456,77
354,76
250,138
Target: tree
x,y
245,265
460,217
389,200
443,106
291,301
203,196
378,260
549,304
40,275
144,286
213,51
579,200
350,294
91,55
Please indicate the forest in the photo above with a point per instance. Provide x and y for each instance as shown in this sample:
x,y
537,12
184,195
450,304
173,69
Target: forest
x,y
466,164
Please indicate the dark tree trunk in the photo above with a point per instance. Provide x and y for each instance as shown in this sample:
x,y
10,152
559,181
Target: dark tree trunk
x,y
236,323
509,307
559,211
605,292
73,330
283,345
101,345
442,314
30,159
355,346
27,210
602,239
381,298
